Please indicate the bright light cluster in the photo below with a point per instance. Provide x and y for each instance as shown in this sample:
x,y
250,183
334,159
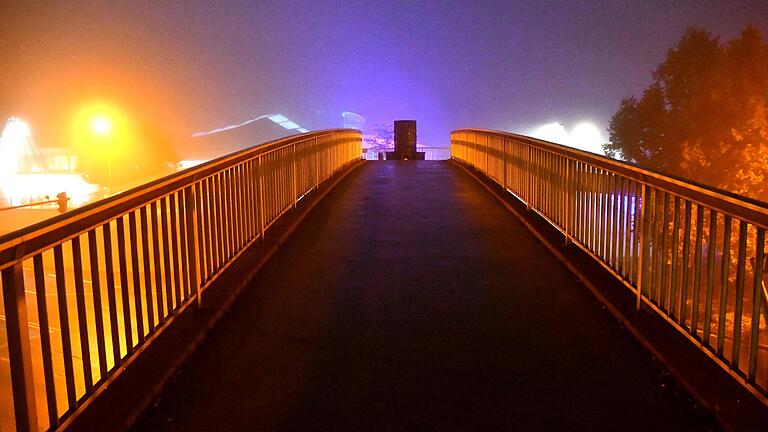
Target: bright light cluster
x,y
101,131
585,136
13,144
19,187
36,187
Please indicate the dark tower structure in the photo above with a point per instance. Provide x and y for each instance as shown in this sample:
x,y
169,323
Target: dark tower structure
x,y
405,141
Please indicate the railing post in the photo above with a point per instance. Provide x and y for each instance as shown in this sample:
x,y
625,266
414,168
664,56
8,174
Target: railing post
x,y
193,254
529,193
260,174
317,164
566,199
19,352
504,160
645,216
295,191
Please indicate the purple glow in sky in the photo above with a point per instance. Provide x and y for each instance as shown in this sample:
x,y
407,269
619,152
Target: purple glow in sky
x,y
448,64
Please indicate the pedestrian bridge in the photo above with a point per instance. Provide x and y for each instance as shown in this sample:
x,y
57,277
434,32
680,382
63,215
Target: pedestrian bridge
x,y
519,285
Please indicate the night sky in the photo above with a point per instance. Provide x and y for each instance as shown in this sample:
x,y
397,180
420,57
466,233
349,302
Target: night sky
x,y
191,66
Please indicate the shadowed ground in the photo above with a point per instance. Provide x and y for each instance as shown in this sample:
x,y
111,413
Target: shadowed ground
x,y
410,299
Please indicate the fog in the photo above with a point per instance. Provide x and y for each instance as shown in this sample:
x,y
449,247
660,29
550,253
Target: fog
x,y
184,67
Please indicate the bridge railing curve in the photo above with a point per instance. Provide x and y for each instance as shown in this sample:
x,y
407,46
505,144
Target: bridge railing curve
x,y
692,253
84,292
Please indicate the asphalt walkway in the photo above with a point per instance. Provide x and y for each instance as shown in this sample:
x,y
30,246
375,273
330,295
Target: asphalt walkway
x,y
410,299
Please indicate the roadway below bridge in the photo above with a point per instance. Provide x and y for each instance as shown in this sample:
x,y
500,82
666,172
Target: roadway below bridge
x,y
412,299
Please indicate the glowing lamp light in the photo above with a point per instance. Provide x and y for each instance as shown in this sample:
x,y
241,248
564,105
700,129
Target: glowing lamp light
x,y
13,145
101,125
585,136
100,130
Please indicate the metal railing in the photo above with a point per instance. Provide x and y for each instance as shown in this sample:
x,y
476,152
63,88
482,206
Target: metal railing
x,y
84,292
692,253
430,153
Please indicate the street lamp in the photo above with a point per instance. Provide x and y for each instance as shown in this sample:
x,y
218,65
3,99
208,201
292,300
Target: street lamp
x,y
102,126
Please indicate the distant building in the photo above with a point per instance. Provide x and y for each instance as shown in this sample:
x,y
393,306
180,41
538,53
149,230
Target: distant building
x,y
228,139
352,120
31,174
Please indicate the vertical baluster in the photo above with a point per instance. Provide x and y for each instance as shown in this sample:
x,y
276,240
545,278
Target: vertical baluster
x,y
125,299
175,249
66,337
232,209
664,301
82,319
725,261
697,270
206,226
711,247
19,351
590,215
145,255
620,225
686,261
93,254
156,263
184,235
235,209
106,233
220,237
675,253
45,342
757,293
740,279
133,238
653,238
602,211
626,247
646,204
165,241
262,201
242,209
639,196
615,188
192,222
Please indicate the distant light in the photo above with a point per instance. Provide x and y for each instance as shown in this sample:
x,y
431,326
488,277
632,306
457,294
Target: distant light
x,y
552,132
585,136
278,118
101,125
33,187
14,143
289,125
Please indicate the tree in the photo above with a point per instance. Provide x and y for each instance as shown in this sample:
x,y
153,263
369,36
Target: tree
x,y
383,138
705,117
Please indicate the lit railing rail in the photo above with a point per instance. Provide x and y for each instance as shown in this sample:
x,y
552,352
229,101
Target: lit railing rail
x,y
84,292
692,253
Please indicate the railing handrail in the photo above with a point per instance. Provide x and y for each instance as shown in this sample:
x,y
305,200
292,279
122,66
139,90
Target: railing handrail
x,y
683,249
749,209
60,228
139,258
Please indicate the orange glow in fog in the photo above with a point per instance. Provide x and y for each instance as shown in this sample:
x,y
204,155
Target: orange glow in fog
x,y
101,131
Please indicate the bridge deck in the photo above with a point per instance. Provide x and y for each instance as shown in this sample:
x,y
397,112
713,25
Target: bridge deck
x,y
411,299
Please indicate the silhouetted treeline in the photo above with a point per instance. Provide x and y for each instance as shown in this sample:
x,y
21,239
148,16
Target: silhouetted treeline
x,y
705,117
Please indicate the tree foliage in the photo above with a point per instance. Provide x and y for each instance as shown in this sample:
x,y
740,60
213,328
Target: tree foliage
x,y
705,116
383,138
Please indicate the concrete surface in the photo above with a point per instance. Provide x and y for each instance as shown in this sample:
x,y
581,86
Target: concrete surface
x,y
410,299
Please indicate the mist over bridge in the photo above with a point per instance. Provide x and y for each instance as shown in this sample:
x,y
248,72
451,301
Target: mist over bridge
x,y
403,295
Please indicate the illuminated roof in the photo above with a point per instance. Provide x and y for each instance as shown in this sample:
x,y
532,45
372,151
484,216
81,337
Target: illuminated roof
x,y
278,119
